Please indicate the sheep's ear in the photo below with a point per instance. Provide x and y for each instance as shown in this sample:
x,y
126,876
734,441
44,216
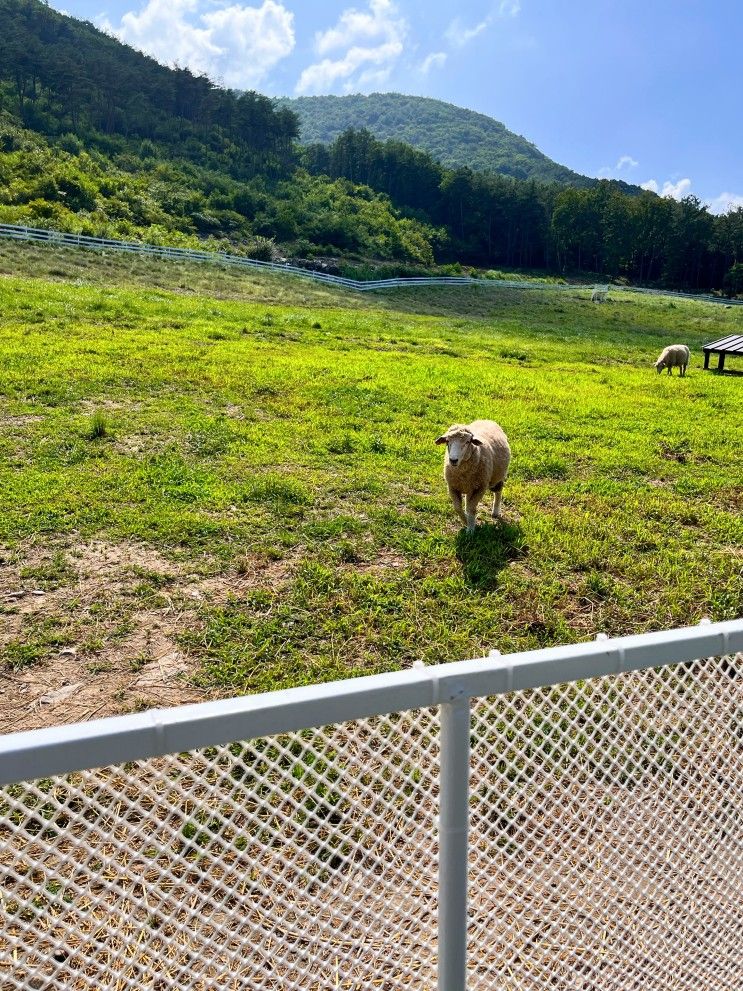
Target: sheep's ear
x,y
442,439
476,442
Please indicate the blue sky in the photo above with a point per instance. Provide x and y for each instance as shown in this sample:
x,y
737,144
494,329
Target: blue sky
x,y
651,92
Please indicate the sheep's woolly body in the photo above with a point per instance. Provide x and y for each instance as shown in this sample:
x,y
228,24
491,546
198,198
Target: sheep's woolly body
x,y
674,356
482,467
487,465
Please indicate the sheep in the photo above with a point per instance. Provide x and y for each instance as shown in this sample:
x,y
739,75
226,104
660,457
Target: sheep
x,y
599,295
477,458
674,356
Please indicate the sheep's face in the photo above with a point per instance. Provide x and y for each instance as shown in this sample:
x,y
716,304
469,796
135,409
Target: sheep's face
x,y
459,443
660,365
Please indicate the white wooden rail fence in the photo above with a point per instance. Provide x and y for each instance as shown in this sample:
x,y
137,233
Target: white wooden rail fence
x,y
62,239
564,818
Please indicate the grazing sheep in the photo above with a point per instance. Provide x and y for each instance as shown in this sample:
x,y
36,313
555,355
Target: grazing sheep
x,y
674,356
477,458
599,295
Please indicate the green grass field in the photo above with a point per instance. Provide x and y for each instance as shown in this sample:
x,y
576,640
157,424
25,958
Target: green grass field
x,y
270,443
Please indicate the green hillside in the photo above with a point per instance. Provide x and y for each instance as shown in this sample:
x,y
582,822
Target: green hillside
x,y
60,75
452,135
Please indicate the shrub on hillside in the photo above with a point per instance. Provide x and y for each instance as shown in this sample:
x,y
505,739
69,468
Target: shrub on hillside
x,y
262,249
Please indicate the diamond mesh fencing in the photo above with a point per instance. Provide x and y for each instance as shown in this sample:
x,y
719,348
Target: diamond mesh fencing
x,y
606,852
302,861
606,848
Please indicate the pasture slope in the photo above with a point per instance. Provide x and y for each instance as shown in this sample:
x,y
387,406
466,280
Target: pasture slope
x,y
217,482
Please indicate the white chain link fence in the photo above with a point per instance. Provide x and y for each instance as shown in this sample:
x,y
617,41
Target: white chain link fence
x,y
605,843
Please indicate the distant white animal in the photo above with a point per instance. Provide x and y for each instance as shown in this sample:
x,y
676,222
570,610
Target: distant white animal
x,y
674,356
477,459
600,295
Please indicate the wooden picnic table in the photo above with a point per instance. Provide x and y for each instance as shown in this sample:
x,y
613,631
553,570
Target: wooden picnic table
x,y
732,344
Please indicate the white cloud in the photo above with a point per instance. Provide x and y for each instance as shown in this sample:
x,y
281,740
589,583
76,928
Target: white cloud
x,y
726,202
458,35
683,187
370,79
675,190
625,163
235,44
433,61
323,76
358,26
363,47
373,40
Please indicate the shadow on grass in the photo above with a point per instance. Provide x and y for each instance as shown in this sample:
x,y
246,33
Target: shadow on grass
x,y
486,551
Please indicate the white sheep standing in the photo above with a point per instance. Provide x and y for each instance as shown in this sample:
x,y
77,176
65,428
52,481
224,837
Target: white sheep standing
x,y
674,356
600,295
477,459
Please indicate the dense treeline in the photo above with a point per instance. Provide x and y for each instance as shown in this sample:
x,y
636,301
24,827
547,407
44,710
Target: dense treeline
x,y
61,75
492,220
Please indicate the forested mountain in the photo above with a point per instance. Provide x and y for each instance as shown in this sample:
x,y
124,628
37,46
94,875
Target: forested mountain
x,y
61,75
452,135
100,139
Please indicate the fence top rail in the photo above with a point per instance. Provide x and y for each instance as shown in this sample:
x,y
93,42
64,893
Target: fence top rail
x,y
57,750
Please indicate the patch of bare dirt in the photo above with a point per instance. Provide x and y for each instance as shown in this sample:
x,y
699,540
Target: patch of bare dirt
x,y
138,444
102,622
383,561
92,405
659,483
21,420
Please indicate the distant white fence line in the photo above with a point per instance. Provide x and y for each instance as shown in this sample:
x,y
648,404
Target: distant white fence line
x,y
558,819
61,239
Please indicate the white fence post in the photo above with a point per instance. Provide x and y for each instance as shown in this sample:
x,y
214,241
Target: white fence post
x,y
453,828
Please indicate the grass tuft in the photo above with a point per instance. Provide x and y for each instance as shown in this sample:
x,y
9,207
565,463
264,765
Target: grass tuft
x,y
98,426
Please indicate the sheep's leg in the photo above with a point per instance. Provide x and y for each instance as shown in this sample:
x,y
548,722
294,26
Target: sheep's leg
x,y
497,491
456,498
473,498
